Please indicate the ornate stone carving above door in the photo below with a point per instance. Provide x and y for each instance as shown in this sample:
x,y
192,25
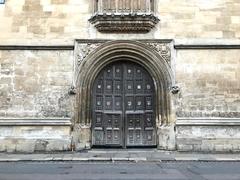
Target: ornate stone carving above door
x,y
125,16
163,49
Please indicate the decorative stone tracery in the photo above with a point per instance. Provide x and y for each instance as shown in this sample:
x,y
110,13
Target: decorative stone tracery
x,y
163,49
84,50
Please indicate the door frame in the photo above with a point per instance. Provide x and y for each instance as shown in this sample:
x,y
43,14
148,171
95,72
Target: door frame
x,y
156,56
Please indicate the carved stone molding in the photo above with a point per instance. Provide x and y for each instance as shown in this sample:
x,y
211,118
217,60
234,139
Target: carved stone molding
x,y
92,55
163,49
124,23
83,49
35,121
207,121
124,16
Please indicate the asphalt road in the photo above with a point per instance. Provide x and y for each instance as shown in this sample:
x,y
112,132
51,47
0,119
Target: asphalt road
x,y
110,171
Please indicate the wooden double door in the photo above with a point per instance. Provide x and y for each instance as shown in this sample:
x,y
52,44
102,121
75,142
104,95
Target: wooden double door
x,y
123,107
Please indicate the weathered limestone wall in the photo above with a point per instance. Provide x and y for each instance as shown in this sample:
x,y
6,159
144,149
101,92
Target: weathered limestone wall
x,y
208,106
199,18
38,21
35,83
34,138
209,82
62,21
208,138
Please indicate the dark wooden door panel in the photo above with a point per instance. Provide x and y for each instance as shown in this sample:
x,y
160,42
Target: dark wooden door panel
x,y
138,100
123,107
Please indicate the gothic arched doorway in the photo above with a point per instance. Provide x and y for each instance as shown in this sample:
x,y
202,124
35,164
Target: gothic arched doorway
x,y
123,106
94,56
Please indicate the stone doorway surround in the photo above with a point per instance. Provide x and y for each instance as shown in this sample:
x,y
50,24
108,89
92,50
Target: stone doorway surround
x,y
156,56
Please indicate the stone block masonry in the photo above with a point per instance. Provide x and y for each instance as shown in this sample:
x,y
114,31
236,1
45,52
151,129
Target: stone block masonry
x,y
39,57
35,83
210,83
35,134
207,138
62,21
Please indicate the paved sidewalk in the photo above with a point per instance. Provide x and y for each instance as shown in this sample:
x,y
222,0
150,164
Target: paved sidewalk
x,y
152,155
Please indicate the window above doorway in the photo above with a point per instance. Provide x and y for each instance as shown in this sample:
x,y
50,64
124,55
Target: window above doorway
x,y
126,16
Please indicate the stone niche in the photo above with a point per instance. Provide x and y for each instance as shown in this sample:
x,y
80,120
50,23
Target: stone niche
x,y
124,16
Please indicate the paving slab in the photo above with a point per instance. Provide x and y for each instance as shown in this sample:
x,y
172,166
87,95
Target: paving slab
x,y
57,157
40,157
67,157
100,159
119,155
137,159
161,157
120,159
80,159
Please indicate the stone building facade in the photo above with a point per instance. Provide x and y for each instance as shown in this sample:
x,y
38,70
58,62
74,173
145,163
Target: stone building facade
x,y
54,54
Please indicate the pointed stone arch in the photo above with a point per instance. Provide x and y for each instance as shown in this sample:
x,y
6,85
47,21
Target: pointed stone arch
x,y
134,51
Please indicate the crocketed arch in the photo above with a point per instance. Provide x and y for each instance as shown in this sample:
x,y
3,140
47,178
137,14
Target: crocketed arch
x,y
116,51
